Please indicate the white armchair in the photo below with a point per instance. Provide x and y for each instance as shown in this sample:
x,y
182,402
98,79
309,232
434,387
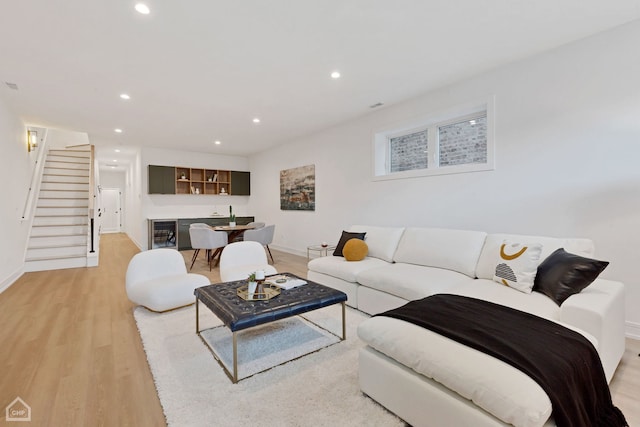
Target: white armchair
x,y
239,259
158,280
262,235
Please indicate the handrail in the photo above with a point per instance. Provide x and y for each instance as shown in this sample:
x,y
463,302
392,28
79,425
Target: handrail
x,y
92,201
34,185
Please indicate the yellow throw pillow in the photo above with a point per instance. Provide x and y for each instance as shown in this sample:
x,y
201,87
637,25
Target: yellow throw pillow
x,y
355,250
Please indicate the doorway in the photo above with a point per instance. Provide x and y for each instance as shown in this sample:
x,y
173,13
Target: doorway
x,y
111,210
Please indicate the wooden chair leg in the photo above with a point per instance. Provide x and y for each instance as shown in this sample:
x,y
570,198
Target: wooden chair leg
x,y
272,261
193,258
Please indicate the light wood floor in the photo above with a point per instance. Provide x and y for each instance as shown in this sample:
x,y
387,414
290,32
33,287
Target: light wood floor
x,y
69,346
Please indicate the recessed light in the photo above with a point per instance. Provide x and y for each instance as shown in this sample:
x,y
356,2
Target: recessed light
x,y
113,167
335,75
117,150
117,130
125,96
142,8
217,142
115,161
256,120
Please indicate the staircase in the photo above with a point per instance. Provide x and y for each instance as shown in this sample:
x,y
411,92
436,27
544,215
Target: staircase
x,y
59,231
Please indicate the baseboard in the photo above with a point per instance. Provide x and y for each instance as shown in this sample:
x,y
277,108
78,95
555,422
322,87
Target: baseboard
x,y
135,242
288,250
6,283
633,330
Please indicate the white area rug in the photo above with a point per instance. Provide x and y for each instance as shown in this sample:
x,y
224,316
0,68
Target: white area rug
x,y
320,389
269,345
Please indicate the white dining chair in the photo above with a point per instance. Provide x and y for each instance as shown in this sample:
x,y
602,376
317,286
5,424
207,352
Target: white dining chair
x,y
239,259
208,239
262,235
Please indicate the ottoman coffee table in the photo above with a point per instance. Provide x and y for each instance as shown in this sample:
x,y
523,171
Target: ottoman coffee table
x,y
238,314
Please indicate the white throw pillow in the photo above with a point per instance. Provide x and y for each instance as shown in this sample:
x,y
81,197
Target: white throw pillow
x,y
517,265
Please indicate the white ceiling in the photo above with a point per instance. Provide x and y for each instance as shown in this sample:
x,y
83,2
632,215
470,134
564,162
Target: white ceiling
x,y
201,70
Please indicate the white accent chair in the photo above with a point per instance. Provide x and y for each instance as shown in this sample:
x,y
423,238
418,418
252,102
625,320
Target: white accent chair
x,y
199,225
239,259
257,225
158,280
208,239
262,235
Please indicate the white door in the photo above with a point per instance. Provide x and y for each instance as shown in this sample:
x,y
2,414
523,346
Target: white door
x,y
111,210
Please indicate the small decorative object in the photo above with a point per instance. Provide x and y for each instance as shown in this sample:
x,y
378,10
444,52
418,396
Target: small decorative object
x,y
232,219
197,191
183,176
324,244
256,288
251,286
260,293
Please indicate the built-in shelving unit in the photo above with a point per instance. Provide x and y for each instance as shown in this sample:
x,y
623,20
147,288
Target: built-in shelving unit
x,y
185,180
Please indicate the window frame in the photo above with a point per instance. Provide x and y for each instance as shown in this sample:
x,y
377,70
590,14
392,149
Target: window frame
x,y
381,145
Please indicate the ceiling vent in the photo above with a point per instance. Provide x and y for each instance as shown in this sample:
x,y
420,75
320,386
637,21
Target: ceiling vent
x,y
376,105
11,85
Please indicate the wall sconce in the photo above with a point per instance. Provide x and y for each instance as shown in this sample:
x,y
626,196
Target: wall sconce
x,y
32,140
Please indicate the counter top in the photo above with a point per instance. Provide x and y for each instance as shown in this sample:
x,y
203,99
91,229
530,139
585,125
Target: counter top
x,y
165,217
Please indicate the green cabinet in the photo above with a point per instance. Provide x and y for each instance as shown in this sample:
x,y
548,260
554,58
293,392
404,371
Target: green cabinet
x,y
240,183
162,180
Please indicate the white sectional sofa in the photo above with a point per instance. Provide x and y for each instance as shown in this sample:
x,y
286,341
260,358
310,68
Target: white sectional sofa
x,y
405,264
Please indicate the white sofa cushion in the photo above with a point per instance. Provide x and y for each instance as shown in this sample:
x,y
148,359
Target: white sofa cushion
x,y
493,385
410,281
456,250
488,290
489,255
339,267
382,241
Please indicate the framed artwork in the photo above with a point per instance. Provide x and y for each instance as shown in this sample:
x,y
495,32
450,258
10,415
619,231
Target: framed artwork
x,y
298,189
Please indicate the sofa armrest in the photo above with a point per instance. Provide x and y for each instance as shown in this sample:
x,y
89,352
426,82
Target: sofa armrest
x,y
600,310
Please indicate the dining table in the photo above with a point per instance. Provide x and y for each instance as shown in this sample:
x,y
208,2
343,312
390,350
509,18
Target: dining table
x,y
233,232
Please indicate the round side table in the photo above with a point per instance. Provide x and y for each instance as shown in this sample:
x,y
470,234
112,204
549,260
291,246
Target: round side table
x,y
321,250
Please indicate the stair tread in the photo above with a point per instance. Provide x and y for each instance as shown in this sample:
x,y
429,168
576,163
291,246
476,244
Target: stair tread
x,y
55,258
60,235
68,245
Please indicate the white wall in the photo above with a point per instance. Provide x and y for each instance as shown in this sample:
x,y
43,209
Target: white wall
x,y
567,151
135,224
57,138
184,205
15,176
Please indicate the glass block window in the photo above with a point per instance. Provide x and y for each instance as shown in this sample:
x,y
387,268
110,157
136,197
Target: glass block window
x,y
463,143
409,152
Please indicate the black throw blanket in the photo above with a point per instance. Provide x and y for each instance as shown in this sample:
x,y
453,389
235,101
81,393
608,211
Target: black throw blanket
x,y
563,362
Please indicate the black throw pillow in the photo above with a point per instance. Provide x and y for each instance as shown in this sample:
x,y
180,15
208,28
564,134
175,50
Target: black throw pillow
x,y
563,274
346,235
